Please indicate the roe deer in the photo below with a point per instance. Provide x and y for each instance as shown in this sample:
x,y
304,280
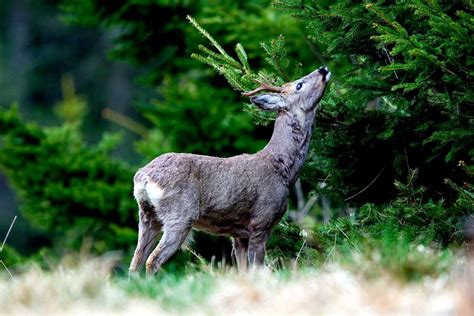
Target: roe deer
x,y
242,196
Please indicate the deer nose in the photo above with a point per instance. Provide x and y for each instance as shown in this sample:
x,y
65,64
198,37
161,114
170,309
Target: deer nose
x,y
323,70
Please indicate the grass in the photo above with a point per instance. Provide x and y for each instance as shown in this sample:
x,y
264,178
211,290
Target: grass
x,y
80,285
171,291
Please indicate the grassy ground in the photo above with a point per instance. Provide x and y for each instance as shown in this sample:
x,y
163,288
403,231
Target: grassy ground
x,y
79,286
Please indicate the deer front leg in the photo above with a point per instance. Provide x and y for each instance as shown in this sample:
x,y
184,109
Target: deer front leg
x,y
257,244
240,249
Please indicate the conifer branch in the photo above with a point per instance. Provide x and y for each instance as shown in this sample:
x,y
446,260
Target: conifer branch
x,y
207,35
239,49
220,57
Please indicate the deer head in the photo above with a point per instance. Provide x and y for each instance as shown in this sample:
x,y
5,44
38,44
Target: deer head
x,y
302,94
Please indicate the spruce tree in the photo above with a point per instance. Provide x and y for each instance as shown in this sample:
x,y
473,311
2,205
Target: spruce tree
x,y
401,100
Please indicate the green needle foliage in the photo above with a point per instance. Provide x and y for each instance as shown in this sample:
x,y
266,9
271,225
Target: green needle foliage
x,y
239,74
401,100
65,187
401,108
412,63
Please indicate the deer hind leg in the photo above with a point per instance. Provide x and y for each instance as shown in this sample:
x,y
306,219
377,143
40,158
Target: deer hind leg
x,y
240,250
257,244
170,242
148,231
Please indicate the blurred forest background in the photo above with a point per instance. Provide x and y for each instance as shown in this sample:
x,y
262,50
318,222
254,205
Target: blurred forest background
x,y
91,90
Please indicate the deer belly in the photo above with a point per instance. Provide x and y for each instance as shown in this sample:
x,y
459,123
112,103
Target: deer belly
x,y
224,222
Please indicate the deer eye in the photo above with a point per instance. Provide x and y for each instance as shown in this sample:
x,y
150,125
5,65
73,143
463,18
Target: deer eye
x,y
298,86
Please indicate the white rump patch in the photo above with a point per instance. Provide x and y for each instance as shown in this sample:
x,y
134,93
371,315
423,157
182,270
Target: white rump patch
x,y
154,192
139,191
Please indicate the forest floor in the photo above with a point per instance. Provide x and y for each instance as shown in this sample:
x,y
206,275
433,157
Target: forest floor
x,y
91,286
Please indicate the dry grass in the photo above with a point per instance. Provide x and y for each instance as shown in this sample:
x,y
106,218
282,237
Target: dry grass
x,y
88,287
333,292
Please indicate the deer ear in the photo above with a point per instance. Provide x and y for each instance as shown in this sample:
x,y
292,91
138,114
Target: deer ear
x,y
268,102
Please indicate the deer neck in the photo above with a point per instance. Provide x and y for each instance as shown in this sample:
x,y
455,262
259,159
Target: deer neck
x,y
288,147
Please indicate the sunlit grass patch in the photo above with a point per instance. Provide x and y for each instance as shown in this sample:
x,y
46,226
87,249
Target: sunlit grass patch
x,y
171,291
